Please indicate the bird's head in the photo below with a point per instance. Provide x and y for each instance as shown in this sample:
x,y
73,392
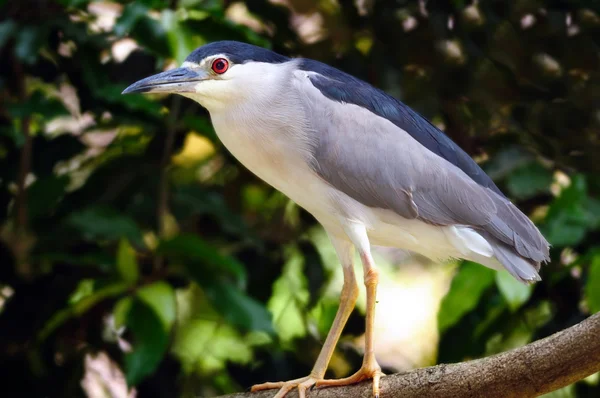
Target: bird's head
x,y
219,75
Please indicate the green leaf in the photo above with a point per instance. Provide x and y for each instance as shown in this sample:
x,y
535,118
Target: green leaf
x,y
112,93
38,103
208,268
514,292
132,13
197,200
506,161
192,250
208,345
28,42
80,305
85,288
592,209
160,297
568,218
182,39
7,29
202,125
565,392
518,331
148,32
121,311
127,263
44,194
529,180
74,3
238,308
105,223
467,287
150,342
565,229
14,134
289,300
592,286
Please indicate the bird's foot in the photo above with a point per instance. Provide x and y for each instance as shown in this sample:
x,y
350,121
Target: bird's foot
x,y
369,370
302,384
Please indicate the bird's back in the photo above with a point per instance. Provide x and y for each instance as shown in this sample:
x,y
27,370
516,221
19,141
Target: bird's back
x,y
381,165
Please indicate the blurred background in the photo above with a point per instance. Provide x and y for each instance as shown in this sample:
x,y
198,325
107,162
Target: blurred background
x,y
138,258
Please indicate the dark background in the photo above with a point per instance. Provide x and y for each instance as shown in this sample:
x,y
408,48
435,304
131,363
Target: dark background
x,y
125,224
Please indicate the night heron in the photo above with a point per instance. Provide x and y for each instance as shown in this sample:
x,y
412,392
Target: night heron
x,y
366,166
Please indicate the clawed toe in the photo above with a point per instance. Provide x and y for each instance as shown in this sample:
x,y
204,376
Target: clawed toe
x,y
302,384
364,373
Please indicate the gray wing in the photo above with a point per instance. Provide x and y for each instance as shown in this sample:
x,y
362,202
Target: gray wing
x,y
380,165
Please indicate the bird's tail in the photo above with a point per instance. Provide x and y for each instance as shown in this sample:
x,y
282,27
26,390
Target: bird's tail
x,y
524,270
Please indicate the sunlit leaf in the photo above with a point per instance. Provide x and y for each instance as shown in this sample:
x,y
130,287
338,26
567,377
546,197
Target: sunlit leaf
x,y
208,345
85,288
182,39
514,292
160,297
592,286
289,300
121,311
467,287
126,262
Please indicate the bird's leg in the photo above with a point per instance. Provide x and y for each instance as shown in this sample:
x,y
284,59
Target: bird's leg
x,y
370,369
345,252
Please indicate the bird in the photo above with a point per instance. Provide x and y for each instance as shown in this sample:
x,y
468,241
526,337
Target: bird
x,y
370,170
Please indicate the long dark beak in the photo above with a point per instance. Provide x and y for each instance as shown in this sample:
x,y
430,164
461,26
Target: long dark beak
x,y
180,80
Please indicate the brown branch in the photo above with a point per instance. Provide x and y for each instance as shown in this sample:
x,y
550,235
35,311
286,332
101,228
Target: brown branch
x,y
529,371
25,160
19,240
162,207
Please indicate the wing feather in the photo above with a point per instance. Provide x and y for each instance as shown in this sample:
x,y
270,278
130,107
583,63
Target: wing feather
x,y
380,165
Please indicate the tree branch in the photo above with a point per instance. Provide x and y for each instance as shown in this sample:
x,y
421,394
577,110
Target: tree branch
x,y
20,240
25,160
529,371
162,207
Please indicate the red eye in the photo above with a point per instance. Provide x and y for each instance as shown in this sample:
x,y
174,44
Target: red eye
x,y
220,65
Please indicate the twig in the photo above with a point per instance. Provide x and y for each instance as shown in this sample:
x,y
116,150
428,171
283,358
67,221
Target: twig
x,y
25,160
162,207
529,371
20,241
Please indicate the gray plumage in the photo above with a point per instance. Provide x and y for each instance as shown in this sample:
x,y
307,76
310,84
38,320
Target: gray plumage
x,y
365,144
376,163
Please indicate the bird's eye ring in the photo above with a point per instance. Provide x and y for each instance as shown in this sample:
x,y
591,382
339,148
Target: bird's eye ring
x,y
220,65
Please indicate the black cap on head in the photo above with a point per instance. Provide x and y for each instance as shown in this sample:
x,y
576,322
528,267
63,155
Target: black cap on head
x,y
237,52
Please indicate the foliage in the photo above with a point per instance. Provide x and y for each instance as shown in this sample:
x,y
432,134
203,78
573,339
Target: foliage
x,y
126,228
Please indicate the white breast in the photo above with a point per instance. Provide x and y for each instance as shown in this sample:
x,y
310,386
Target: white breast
x,y
278,158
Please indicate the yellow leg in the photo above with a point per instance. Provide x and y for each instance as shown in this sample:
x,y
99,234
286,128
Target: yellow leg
x,y
345,252
370,369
